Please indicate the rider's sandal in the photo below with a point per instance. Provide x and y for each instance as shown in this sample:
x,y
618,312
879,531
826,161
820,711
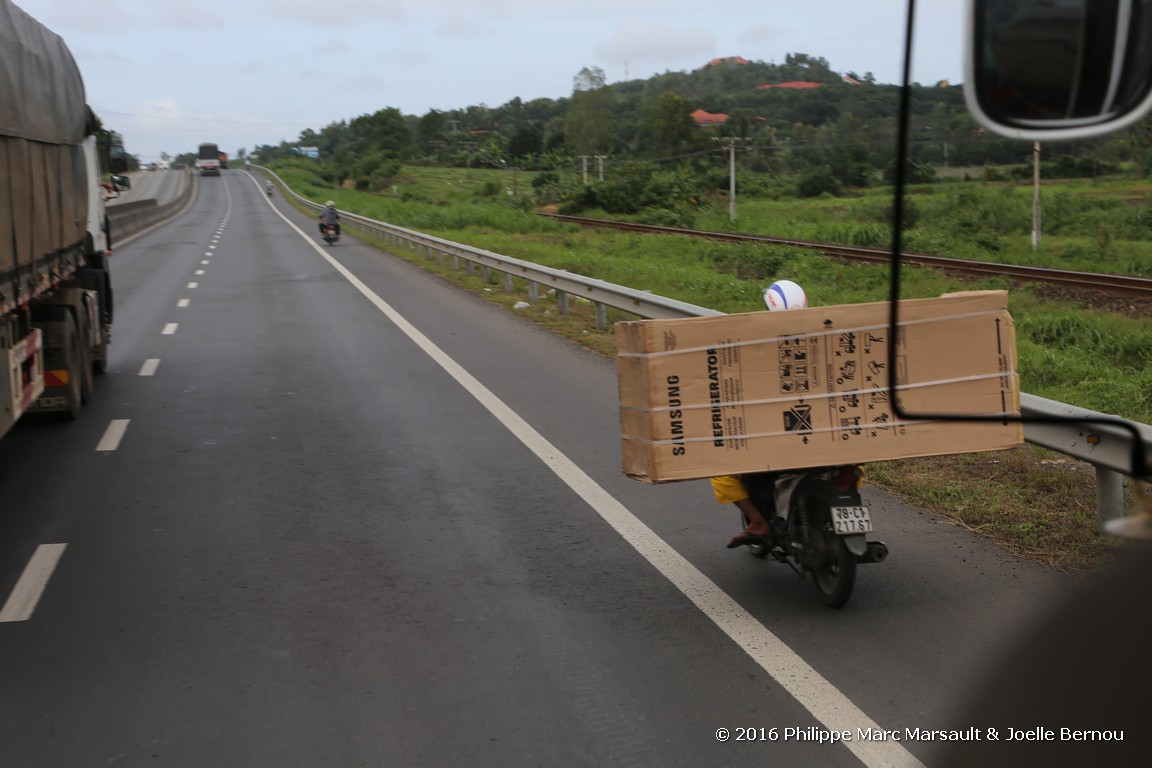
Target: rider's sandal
x,y
746,537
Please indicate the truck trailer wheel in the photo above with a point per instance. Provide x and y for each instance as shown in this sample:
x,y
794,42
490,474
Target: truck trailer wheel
x,y
62,354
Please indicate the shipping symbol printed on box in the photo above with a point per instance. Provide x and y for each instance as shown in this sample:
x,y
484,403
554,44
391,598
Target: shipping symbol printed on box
x,y
764,391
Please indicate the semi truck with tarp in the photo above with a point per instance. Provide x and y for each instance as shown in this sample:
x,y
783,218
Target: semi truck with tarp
x,y
55,286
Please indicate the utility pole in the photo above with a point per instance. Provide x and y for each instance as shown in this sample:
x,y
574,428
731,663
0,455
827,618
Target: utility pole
x,y
470,148
1035,195
732,142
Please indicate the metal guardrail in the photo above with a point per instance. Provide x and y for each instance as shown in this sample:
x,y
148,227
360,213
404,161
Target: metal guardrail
x,y
1106,447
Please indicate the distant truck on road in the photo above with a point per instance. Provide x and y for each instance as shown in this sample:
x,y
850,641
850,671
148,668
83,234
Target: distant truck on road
x,y
55,287
208,160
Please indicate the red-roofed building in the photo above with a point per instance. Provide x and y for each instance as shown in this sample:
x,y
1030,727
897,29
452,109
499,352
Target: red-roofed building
x,y
798,85
729,60
706,119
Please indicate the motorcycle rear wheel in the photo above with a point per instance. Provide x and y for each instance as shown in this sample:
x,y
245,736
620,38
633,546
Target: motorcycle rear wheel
x,y
836,577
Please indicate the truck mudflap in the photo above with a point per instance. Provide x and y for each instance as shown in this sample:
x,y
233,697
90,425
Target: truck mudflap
x,y
23,381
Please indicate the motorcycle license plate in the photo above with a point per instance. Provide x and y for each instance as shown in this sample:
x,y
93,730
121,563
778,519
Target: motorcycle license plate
x,y
848,520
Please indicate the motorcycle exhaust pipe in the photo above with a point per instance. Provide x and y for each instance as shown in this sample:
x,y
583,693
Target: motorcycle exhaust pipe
x,y
876,553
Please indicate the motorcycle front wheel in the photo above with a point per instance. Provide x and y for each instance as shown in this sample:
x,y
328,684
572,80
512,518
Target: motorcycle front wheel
x,y
836,574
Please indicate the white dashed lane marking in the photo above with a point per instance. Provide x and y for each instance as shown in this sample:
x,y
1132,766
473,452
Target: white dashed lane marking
x,y
113,435
26,594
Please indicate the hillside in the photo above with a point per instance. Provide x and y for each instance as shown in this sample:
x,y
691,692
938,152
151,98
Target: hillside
x,y
789,120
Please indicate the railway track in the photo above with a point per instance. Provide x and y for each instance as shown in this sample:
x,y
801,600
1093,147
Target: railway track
x,y
1120,285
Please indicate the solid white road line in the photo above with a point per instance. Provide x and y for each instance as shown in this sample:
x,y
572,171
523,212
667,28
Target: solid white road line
x,y
113,435
150,366
826,703
26,594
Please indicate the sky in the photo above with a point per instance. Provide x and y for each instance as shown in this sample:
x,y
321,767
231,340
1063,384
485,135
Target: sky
x,y
170,74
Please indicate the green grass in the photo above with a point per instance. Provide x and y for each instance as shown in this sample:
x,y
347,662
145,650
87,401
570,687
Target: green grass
x,y
1093,229
1036,504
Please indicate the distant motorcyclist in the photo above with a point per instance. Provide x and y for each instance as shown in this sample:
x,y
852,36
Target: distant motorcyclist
x,y
330,216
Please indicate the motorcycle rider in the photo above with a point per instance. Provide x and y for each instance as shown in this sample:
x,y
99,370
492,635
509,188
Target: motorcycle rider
x,y
730,489
330,216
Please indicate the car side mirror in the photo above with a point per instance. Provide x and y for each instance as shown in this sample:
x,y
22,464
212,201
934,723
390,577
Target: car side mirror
x,y
1058,69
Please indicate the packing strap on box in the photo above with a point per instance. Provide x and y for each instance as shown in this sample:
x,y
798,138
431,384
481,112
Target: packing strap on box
x,y
835,332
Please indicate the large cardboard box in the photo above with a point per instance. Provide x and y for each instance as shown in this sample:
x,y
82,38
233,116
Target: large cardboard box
x,y
767,391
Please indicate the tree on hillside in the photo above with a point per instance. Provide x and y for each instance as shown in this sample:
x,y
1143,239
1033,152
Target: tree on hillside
x,y
805,149
431,129
801,66
590,127
369,149
849,150
382,131
527,140
668,129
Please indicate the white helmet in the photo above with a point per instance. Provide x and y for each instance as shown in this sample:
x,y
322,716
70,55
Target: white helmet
x,y
330,204
784,294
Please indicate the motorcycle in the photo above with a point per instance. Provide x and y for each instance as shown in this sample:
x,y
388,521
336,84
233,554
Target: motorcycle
x,y
329,233
269,189
819,526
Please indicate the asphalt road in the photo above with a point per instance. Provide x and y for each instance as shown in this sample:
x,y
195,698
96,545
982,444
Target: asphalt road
x,y
326,510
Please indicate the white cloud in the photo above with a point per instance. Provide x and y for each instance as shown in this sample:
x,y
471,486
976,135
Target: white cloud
x,y
369,82
183,16
656,42
163,108
330,13
464,29
332,47
61,15
311,73
410,57
101,56
762,33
